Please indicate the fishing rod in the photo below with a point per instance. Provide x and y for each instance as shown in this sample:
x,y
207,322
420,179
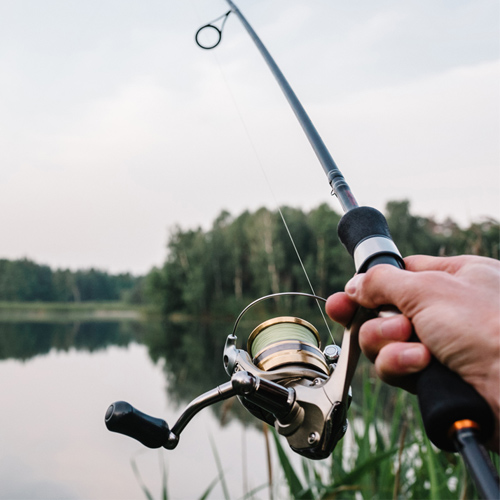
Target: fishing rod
x,y
286,380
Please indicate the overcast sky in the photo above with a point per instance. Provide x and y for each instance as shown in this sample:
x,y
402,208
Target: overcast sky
x,y
115,126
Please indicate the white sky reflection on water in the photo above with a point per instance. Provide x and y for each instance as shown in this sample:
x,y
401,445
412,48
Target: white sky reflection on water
x,y
54,443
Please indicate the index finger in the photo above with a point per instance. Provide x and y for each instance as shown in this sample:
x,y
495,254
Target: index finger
x,y
384,284
340,308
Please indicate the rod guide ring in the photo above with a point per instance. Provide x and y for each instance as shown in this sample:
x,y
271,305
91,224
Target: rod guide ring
x,y
208,47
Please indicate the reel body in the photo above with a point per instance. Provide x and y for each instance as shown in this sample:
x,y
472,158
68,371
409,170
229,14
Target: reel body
x,y
283,379
305,415
285,351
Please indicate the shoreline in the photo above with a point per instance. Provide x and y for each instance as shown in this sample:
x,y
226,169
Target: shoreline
x,y
72,311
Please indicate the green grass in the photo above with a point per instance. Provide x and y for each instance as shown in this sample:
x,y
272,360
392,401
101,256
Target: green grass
x,y
385,455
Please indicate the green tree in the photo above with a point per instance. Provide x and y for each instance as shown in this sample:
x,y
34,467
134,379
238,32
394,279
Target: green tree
x,y
412,234
24,280
239,242
243,258
332,264
96,285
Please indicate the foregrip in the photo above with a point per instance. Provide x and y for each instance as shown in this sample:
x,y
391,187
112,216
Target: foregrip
x,y
444,398
365,234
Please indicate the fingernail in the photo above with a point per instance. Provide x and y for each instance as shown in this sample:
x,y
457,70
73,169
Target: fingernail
x,y
353,284
390,329
413,356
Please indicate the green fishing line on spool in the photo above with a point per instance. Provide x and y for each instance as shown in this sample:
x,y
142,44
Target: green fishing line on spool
x,y
281,329
286,340
281,332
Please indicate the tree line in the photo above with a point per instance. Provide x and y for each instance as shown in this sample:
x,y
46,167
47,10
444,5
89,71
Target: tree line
x,y
245,257
242,258
23,280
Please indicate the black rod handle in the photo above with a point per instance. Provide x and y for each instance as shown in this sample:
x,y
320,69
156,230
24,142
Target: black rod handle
x,y
444,397
123,418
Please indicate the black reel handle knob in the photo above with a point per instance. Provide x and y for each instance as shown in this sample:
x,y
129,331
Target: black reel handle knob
x,y
123,418
443,396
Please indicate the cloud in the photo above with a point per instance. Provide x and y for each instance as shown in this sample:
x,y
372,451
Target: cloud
x,y
429,140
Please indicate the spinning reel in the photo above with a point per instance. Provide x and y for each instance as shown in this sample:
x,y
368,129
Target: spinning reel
x,y
283,378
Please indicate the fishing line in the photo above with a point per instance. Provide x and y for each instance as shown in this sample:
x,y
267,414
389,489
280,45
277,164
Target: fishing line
x,y
263,170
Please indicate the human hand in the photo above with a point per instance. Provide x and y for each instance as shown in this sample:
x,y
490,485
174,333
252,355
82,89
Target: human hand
x,y
453,303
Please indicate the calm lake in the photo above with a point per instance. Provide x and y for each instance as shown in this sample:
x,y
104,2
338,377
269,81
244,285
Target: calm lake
x,y
56,382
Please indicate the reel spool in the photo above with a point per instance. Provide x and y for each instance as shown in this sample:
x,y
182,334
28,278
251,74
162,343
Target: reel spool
x,y
284,349
284,341
284,345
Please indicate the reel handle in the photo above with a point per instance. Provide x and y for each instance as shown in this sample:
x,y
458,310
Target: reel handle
x,y
444,397
123,418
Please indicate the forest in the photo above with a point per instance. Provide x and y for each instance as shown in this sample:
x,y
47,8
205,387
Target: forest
x,y
241,258
245,257
23,280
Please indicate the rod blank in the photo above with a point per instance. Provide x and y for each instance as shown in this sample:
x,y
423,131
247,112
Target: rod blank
x,y
339,186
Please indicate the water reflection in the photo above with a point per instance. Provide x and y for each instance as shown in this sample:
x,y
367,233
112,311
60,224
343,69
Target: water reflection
x,y
190,352
25,340
56,381
191,355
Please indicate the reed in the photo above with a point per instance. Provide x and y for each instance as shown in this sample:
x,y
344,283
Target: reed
x,y
384,455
